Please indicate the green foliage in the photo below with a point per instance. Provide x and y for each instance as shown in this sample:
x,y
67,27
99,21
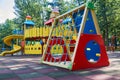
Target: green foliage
x,y
66,6
107,13
38,9
90,5
33,8
6,29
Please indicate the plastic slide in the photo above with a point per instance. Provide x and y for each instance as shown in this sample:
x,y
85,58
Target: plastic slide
x,y
8,41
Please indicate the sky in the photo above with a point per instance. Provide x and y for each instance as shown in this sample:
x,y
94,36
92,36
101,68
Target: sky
x,y
6,10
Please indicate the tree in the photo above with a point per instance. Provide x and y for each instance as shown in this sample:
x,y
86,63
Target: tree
x,y
107,13
6,29
33,8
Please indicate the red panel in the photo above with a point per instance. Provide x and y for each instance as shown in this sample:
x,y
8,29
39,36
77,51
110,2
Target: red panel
x,y
50,58
72,42
80,60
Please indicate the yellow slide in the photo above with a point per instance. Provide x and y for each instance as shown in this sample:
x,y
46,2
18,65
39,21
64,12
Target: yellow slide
x,y
8,41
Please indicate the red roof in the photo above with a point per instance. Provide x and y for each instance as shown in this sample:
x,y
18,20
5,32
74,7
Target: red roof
x,y
29,17
49,22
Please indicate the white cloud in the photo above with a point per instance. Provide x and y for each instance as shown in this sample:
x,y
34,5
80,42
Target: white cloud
x,y
6,10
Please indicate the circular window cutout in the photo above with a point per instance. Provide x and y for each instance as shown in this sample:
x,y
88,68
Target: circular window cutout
x,y
92,51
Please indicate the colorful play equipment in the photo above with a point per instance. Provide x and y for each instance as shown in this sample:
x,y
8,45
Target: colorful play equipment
x,y
73,42
33,39
14,46
76,42
36,37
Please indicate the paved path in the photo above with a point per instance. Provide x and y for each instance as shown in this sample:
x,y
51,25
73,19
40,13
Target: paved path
x,y
29,68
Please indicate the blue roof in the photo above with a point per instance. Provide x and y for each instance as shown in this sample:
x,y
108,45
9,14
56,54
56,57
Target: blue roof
x,y
67,20
29,22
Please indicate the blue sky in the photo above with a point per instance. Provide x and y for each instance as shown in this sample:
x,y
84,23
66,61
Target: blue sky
x,y
6,10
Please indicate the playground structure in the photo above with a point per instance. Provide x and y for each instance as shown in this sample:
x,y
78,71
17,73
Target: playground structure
x,y
74,37
76,42
34,39
8,40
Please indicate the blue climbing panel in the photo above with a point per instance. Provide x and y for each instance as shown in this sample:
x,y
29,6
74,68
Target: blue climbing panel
x,y
89,25
77,16
92,48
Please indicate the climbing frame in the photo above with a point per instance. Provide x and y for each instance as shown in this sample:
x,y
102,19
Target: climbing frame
x,y
75,42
